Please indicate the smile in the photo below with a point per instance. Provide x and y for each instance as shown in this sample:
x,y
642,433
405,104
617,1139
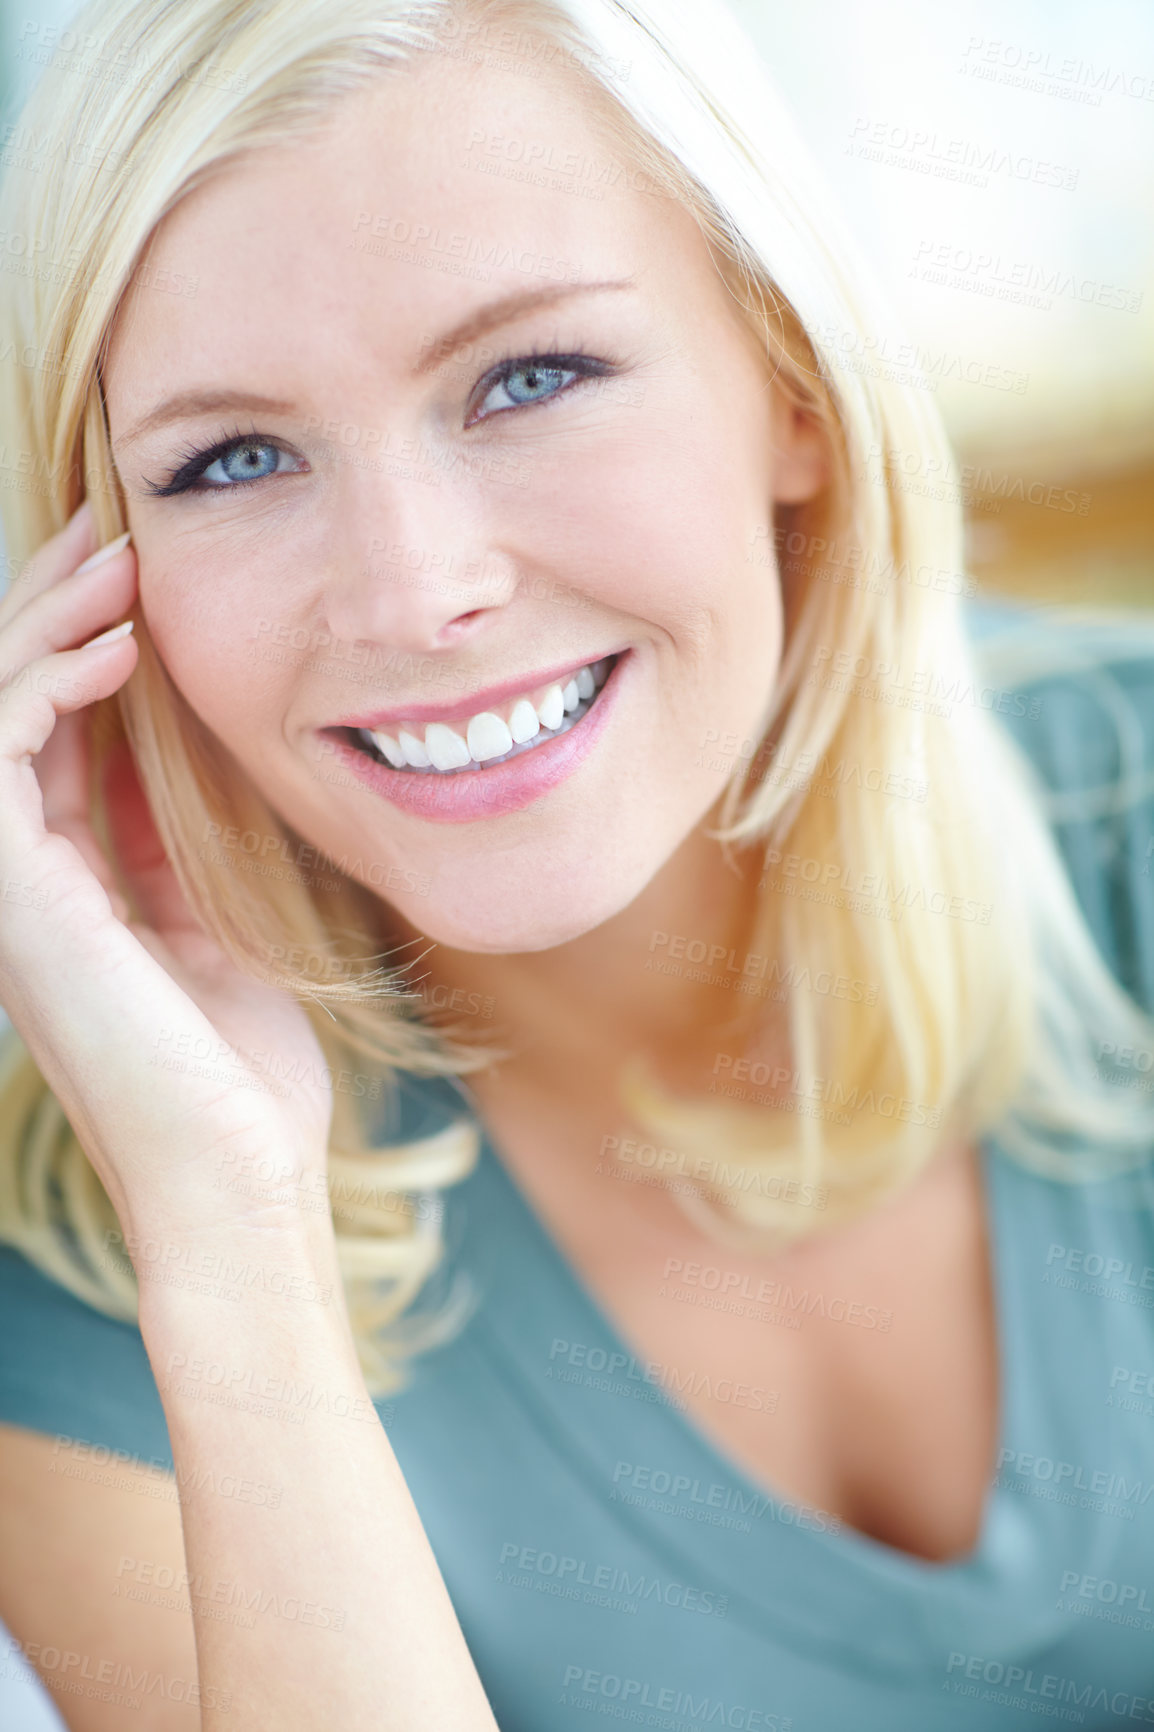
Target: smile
x,y
521,773
491,737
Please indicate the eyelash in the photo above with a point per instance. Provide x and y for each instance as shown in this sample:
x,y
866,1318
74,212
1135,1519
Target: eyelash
x,y
197,459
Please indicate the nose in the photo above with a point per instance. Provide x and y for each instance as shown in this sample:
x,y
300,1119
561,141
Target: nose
x,y
414,565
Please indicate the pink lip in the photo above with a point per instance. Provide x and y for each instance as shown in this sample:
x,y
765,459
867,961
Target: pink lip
x,y
473,706
467,795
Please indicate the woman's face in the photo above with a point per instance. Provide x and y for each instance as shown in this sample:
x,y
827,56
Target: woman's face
x,y
358,501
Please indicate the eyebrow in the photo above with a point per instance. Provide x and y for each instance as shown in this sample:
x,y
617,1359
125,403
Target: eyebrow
x,y
478,324
187,403
501,312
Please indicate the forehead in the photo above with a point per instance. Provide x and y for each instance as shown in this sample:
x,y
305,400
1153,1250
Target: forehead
x,y
435,188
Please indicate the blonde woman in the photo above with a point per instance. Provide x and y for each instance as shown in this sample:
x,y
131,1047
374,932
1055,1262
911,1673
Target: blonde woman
x,y
568,1147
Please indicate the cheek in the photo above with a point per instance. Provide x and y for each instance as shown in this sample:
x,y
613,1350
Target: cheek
x,y
660,527
216,637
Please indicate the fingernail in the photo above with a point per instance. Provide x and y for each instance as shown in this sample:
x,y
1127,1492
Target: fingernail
x,y
112,635
108,551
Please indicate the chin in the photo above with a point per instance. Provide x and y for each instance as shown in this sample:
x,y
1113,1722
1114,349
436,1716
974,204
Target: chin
x,y
516,924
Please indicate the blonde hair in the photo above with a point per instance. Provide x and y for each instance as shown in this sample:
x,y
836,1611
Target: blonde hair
x,y
975,1020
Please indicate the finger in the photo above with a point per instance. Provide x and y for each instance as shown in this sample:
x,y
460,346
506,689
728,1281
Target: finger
x,y
29,706
58,556
70,615
73,610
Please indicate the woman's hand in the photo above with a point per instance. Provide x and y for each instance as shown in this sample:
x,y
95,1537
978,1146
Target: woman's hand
x,y
156,1046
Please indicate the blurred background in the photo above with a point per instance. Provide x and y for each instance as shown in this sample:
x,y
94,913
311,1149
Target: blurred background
x,y
995,159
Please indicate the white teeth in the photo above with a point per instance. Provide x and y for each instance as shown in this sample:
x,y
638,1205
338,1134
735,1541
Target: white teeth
x,y
389,749
446,749
551,709
488,737
524,723
414,750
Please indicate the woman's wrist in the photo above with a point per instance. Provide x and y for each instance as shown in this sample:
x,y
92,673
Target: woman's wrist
x,y
270,1337
254,1276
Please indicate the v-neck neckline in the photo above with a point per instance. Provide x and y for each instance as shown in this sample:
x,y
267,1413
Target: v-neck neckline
x,y
842,1597
845,1537
973,1600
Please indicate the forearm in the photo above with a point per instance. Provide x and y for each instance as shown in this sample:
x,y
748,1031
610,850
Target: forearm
x,y
351,1624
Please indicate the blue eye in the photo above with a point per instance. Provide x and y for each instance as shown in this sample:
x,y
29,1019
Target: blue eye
x,y
532,379
229,464
251,461
530,382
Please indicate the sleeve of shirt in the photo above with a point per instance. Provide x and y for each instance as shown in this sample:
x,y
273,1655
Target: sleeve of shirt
x,y
1077,694
73,1373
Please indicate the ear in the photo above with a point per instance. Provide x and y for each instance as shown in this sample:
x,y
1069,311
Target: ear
x,y
801,466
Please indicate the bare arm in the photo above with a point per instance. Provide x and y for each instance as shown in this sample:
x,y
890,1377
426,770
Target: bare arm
x,y
91,1584
353,1626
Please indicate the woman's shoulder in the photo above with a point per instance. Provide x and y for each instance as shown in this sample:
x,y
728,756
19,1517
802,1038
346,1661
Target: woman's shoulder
x,y
1075,689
